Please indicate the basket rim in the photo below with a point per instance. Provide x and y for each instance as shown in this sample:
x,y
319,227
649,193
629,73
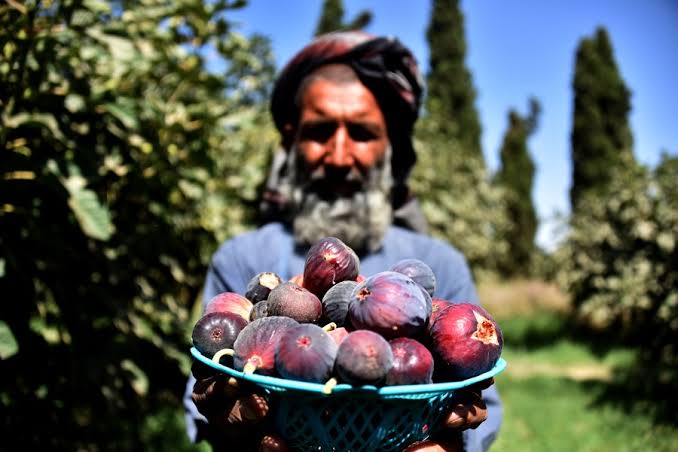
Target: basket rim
x,y
281,384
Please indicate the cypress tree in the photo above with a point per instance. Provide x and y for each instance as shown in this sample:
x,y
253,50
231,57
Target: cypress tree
x,y
601,137
451,94
332,18
516,176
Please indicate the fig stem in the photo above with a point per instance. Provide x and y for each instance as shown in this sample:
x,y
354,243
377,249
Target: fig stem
x,y
221,353
329,386
330,327
249,368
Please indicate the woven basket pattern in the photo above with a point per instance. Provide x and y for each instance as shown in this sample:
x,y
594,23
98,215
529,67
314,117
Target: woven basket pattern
x,y
356,423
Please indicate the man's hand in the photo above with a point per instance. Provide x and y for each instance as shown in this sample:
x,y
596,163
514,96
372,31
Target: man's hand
x,y
467,410
234,410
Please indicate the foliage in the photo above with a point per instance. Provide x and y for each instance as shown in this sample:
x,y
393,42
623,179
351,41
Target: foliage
x,y
516,175
620,264
601,135
451,95
332,18
125,161
458,199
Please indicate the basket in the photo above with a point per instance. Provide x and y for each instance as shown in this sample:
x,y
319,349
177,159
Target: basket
x,y
365,418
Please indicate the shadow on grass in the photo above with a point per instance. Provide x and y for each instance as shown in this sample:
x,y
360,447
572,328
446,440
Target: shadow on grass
x,y
637,387
639,390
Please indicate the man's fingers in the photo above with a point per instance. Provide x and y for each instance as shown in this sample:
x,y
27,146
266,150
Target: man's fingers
x,y
468,411
254,407
272,443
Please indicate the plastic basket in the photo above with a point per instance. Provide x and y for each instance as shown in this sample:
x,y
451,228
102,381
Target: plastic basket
x,y
365,418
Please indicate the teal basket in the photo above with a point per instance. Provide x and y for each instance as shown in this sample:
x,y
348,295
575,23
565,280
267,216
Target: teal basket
x,y
365,418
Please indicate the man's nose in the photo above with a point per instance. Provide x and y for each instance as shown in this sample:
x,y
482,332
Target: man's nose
x,y
339,152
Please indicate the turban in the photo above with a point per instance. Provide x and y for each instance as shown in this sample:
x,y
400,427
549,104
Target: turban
x,y
386,67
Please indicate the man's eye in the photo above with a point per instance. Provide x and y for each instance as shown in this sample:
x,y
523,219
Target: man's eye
x,y
359,132
318,132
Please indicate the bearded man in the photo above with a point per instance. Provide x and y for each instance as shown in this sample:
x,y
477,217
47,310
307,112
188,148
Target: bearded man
x,y
345,107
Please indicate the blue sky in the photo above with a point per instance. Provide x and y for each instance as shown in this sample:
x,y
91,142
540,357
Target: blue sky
x,y
518,49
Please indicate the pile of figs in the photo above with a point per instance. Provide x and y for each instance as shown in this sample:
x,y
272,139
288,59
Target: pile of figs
x,y
332,325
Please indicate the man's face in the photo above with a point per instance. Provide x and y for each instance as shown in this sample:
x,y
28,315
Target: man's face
x,y
341,134
340,169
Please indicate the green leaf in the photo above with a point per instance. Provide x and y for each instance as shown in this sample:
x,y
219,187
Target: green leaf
x,y
139,379
44,119
8,345
93,217
124,112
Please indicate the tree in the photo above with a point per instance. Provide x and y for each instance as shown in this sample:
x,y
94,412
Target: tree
x,y
620,265
125,161
516,175
461,204
601,137
451,94
332,18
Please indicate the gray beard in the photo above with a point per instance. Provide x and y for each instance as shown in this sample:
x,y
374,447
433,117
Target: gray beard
x,y
360,221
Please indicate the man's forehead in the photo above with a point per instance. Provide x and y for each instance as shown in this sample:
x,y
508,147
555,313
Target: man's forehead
x,y
324,98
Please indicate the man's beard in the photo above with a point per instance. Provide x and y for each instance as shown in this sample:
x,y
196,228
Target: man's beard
x,y
359,219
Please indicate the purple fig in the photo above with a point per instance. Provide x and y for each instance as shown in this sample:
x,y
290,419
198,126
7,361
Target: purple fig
x,y
254,349
466,341
328,262
261,285
412,363
306,353
419,272
363,358
216,331
294,301
336,300
389,303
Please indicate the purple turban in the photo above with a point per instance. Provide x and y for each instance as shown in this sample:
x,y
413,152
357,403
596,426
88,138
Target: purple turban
x,y
386,67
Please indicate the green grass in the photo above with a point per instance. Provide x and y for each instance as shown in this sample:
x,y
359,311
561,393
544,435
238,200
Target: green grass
x,y
562,392
559,414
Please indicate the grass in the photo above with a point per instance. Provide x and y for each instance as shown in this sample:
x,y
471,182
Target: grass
x,y
562,391
546,413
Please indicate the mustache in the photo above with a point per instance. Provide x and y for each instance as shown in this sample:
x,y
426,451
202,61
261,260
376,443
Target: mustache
x,y
324,178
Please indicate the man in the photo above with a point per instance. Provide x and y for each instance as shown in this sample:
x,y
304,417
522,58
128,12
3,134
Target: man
x,y
345,107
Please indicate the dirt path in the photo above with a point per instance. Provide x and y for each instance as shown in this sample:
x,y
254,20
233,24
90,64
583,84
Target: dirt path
x,y
526,369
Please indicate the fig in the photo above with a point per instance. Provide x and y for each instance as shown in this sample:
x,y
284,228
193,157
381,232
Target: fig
x,y
363,357
261,285
412,363
259,310
328,262
216,331
338,334
291,300
335,302
390,304
419,271
466,341
437,305
306,353
254,349
229,302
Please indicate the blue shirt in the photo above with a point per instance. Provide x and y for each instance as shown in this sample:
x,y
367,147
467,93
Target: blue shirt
x,y
272,248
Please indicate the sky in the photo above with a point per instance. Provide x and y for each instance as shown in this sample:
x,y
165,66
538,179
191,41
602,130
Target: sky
x,y
517,49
